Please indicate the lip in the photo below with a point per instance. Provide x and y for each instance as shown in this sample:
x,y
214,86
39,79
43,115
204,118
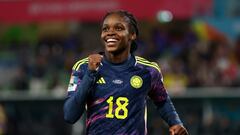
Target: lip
x,y
111,44
111,41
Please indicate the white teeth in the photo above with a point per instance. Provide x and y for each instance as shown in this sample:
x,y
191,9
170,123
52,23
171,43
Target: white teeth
x,y
111,40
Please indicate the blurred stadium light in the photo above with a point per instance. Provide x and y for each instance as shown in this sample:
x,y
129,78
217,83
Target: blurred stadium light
x,y
164,16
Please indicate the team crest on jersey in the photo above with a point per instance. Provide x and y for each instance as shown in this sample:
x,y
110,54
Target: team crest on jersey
x,y
136,81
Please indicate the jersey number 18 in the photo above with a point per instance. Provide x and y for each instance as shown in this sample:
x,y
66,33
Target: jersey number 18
x,y
122,103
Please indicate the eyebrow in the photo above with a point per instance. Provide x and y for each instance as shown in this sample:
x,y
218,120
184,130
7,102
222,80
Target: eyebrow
x,y
114,24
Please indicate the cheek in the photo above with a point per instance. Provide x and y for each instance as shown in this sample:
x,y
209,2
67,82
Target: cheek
x,y
125,36
102,38
127,39
125,42
102,35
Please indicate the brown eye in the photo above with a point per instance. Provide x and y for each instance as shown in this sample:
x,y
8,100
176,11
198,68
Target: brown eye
x,y
118,28
104,29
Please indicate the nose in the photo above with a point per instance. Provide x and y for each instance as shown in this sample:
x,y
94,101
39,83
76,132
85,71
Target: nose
x,y
111,32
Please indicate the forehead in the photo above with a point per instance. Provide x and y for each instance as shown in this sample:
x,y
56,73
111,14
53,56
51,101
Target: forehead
x,y
115,18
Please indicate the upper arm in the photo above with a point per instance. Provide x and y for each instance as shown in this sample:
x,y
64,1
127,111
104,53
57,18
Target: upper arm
x,y
157,91
77,74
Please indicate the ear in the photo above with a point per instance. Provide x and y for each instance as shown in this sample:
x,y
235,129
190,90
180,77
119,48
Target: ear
x,y
133,36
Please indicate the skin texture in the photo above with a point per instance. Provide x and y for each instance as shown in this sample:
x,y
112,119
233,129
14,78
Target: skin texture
x,y
114,27
177,130
117,27
94,61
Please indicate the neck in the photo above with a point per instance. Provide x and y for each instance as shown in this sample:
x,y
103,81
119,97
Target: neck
x,y
117,58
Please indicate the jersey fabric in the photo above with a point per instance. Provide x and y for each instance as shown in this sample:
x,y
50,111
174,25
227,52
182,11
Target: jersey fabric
x,y
115,96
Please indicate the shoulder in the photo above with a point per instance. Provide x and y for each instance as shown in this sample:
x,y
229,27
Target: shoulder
x,y
151,65
80,64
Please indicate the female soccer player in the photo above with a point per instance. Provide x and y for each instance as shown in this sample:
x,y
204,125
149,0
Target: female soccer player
x,y
113,87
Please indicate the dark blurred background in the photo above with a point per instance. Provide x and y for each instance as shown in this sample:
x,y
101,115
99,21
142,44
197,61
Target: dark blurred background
x,y
195,42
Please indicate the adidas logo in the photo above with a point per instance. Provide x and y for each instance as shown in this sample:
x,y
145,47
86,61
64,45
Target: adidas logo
x,y
101,81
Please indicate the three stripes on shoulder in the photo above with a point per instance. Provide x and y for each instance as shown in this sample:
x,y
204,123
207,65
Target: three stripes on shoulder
x,y
79,63
139,60
83,61
143,61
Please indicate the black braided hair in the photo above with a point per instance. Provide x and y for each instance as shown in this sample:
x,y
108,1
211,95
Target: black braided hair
x,y
133,25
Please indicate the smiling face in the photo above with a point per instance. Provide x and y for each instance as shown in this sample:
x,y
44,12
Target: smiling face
x,y
116,35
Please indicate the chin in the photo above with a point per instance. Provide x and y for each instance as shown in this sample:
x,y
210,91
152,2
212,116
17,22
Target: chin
x,y
111,49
